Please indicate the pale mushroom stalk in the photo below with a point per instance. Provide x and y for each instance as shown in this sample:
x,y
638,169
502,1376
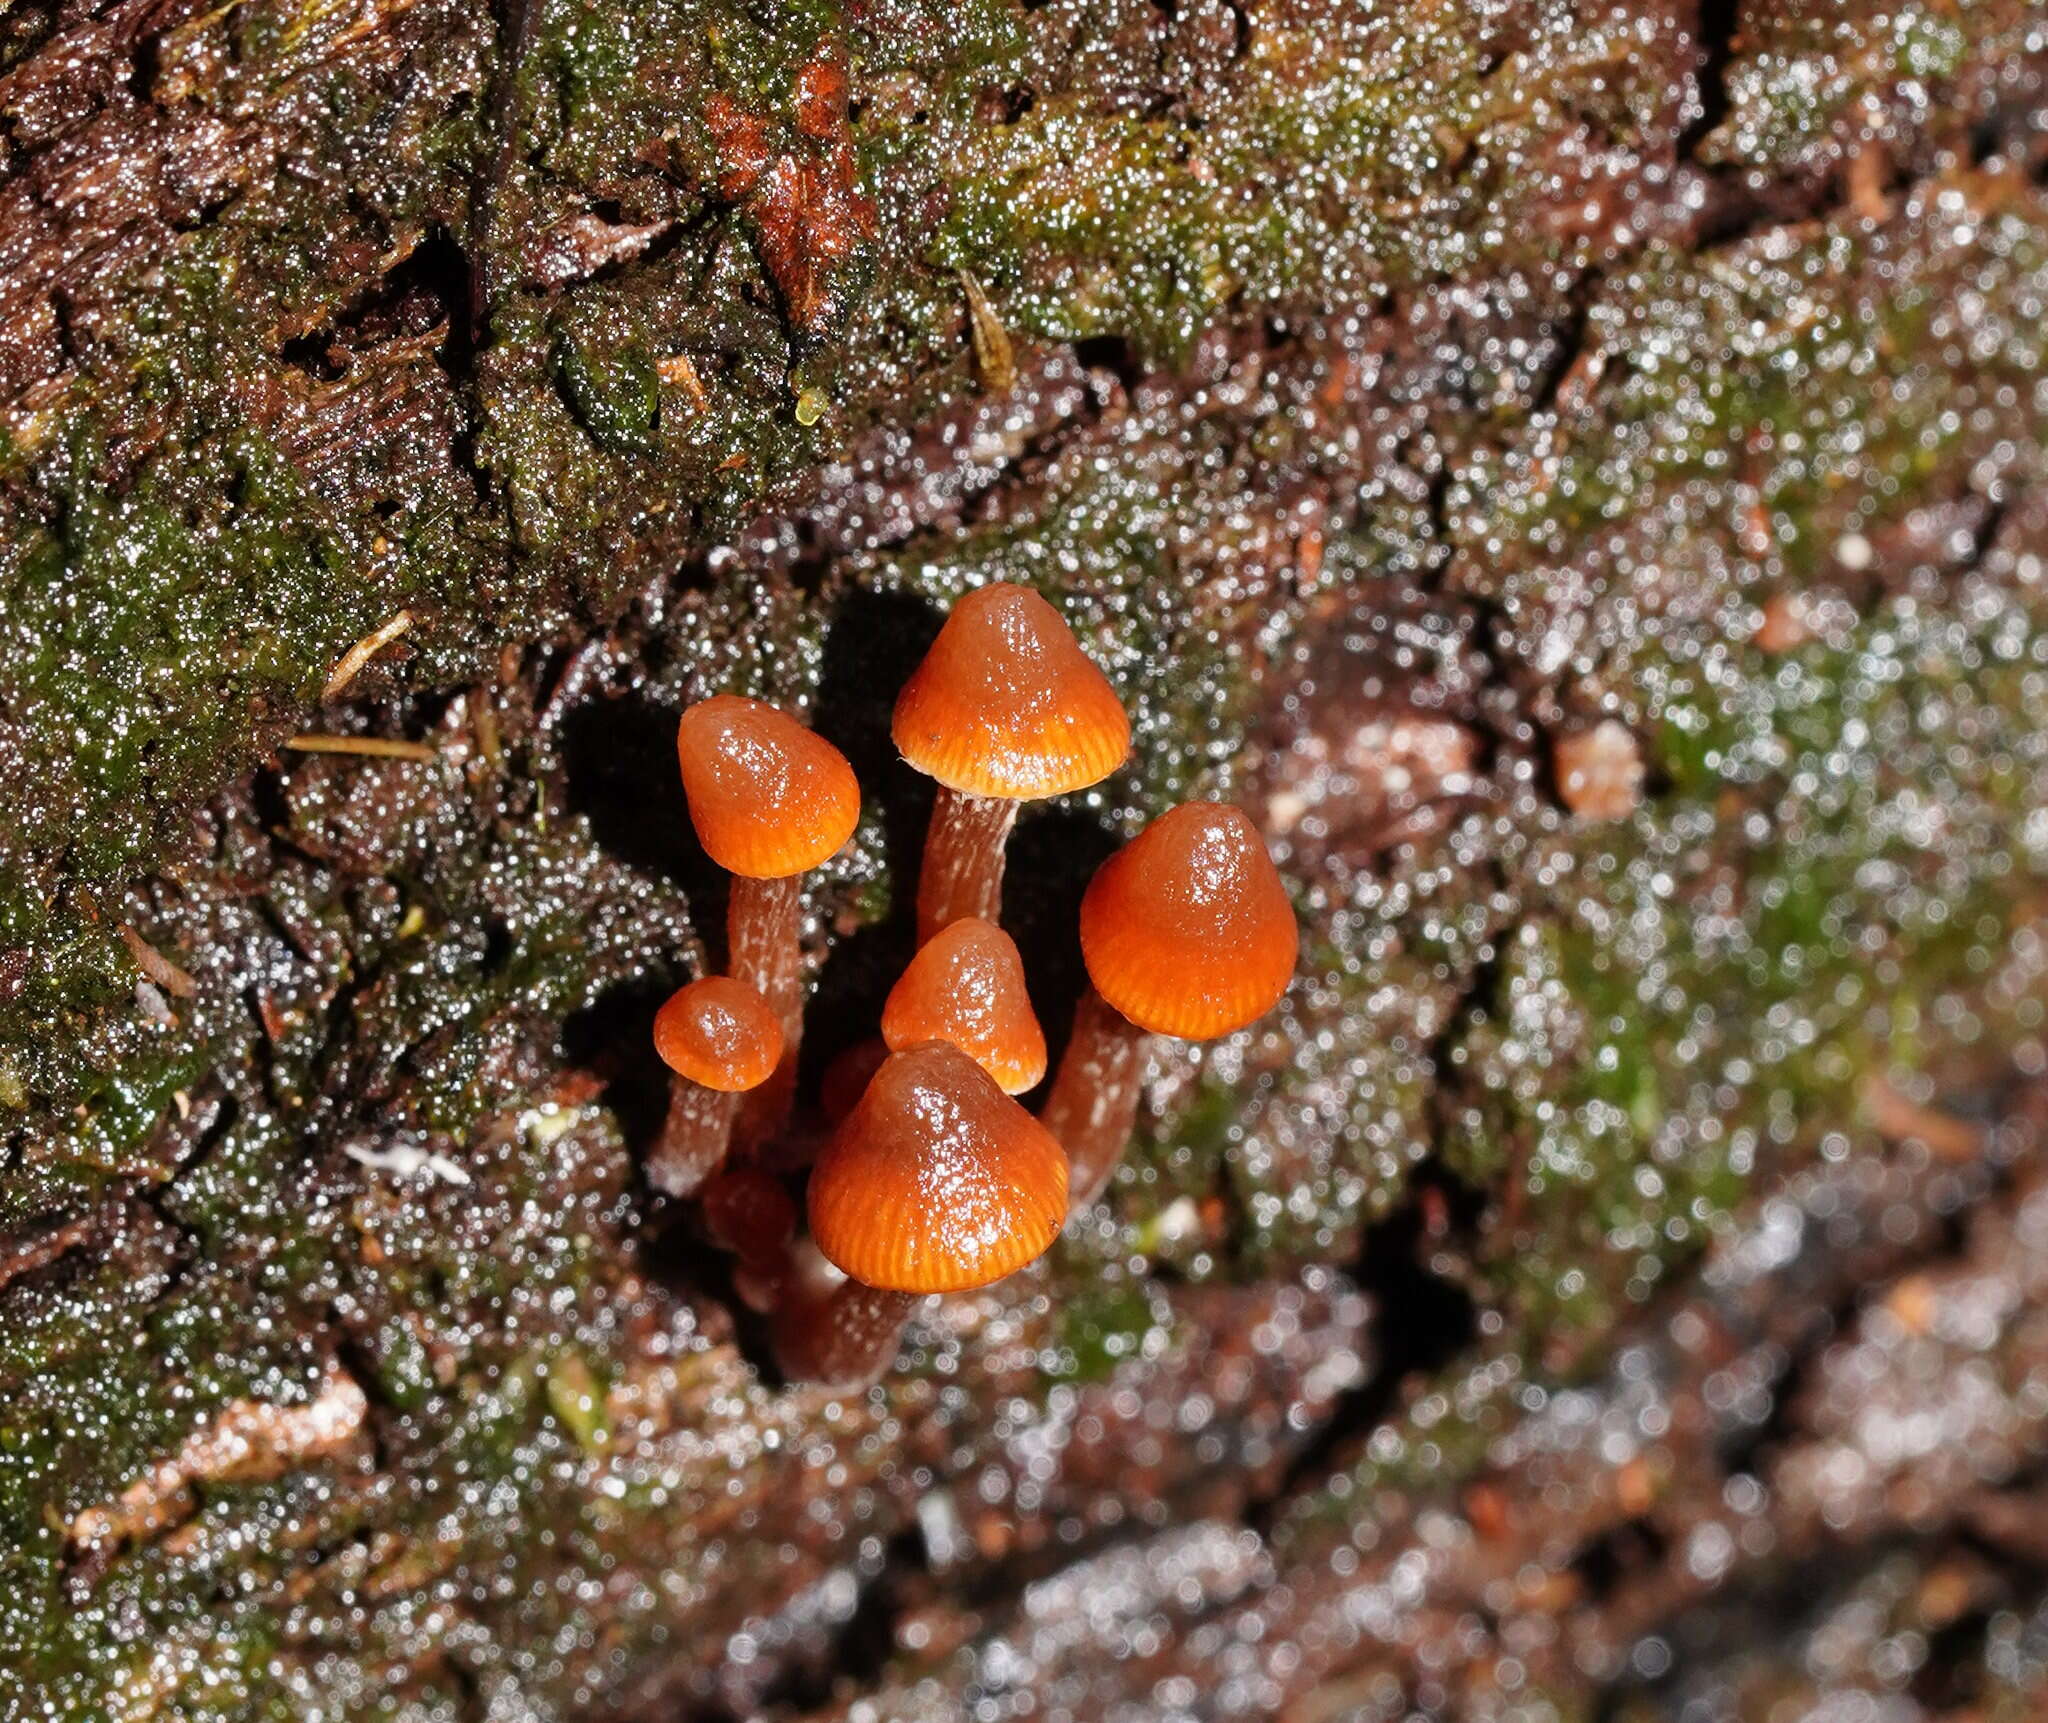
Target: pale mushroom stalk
x,y
831,1330
962,872
764,932
1093,1107
693,1139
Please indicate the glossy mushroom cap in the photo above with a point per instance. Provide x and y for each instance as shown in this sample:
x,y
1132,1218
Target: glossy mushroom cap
x,y
1007,704
966,987
768,797
937,1181
720,1033
1187,929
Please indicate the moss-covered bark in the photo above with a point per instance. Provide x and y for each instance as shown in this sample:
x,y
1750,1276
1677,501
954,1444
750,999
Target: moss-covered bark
x,y
1401,395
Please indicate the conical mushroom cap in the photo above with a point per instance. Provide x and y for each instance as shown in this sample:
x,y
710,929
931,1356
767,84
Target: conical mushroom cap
x,y
768,797
937,1181
1187,929
966,987
719,1032
1007,704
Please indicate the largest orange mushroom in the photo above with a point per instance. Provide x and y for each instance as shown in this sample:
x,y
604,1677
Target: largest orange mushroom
x,y
936,1182
1005,708
1187,932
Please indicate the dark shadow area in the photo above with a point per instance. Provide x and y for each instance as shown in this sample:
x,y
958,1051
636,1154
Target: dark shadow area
x,y
613,1039
428,290
876,641
1619,1556
1053,854
1420,1322
619,773
845,1008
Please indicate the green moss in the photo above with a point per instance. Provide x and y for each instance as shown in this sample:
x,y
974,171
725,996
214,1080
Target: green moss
x,y
1100,1328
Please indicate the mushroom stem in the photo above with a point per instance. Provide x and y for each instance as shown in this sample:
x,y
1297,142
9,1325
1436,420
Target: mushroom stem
x,y
693,1137
962,871
763,931
833,1330
1094,1101
763,925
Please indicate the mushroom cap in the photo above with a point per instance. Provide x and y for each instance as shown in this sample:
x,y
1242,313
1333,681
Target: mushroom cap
x,y
966,987
1187,929
1007,704
719,1032
936,1181
768,797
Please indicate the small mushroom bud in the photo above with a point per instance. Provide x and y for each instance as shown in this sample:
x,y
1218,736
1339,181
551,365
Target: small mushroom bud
x,y
770,801
937,1181
966,987
1005,707
1186,931
720,1039
750,1213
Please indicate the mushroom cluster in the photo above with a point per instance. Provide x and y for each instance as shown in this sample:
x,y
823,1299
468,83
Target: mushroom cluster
x,y
931,1176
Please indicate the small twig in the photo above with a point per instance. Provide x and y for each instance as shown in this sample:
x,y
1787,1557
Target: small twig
x,y
24,1249
353,660
484,722
154,964
574,678
679,370
376,747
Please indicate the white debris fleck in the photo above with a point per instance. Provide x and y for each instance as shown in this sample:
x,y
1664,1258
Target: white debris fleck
x,y
408,1160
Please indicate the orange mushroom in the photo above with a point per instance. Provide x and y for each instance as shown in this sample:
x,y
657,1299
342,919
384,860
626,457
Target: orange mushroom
x,y
1005,707
1187,932
966,987
770,800
719,1032
720,1038
936,1181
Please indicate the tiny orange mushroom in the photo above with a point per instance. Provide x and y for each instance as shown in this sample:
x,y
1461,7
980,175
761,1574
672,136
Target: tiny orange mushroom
x,y
719,1032
966,987
720,1038
1004,708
